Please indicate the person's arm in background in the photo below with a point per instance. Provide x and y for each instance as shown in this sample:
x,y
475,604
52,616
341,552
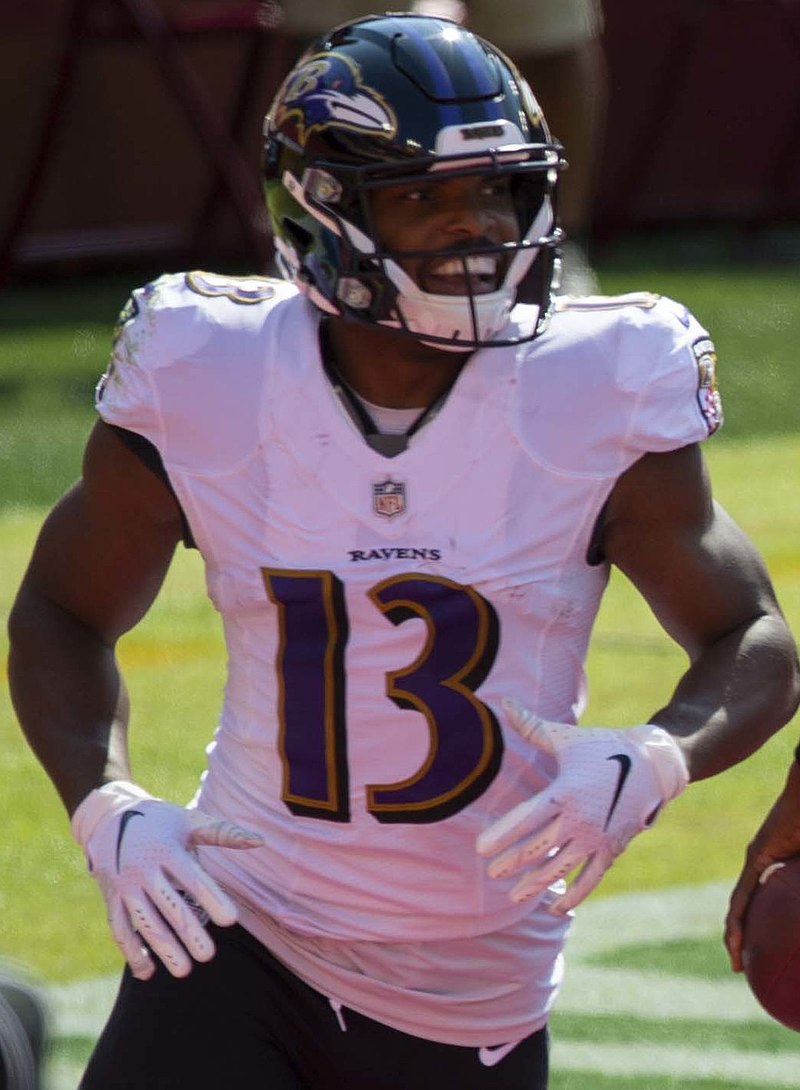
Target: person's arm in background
x,y
778,838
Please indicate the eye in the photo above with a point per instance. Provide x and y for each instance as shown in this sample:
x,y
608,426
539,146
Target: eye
x,y
422,193
496,187
404,194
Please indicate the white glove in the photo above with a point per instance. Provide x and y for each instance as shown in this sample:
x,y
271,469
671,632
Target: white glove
x,y
610,785
141,852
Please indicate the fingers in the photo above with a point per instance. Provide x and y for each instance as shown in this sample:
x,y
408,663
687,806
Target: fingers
x,y
737,908
582,885
557,865
220,834
545,735
734,923
131,945
169,924
539,878
203,891
165,910
158,896
543,856
524,722
212,832
161,939
734,940
176,899
510,830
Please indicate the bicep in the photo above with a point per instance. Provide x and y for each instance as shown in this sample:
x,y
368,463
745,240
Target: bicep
x,y
699,572
105,548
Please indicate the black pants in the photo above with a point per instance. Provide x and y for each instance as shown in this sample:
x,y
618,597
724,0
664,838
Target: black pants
x,y
244,1022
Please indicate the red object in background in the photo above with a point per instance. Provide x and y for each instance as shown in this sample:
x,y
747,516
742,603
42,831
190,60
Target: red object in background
x,y
704,113
132,128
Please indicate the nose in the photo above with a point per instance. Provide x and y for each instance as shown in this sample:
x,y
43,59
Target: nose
x,y
468,215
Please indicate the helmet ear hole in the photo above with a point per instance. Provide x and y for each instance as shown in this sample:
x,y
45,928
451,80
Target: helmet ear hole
x,y
300,238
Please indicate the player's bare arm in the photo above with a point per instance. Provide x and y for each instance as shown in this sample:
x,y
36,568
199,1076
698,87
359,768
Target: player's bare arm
x,y
99,561
97,567
708,587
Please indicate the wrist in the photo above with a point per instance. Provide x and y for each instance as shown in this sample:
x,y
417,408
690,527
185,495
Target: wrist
x,y
101,803
666,758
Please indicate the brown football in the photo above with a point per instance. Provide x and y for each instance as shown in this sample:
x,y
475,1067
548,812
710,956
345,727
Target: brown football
x,y
771,952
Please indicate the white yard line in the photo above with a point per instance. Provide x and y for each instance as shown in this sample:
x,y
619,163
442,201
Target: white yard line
x,y
635,919
80,1009
657,1061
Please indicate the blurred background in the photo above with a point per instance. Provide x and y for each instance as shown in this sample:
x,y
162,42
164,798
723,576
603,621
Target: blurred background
x,y
131,130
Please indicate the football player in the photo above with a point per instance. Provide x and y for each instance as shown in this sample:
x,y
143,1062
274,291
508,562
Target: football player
x,y
408,492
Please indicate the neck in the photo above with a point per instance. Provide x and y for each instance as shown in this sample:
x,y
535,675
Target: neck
x,y
388,368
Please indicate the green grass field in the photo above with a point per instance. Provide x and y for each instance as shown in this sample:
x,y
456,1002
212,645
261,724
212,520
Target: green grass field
x,y
648,1003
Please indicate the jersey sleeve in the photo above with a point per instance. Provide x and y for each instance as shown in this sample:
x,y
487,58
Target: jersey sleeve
x,y
613,379
125,396
186,360
668,364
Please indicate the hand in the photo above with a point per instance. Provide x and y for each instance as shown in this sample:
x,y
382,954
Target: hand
x,y
141,851
776,840
610,785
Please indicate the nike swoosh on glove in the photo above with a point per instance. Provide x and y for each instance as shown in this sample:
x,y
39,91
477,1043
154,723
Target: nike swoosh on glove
x,y
610,785
141,852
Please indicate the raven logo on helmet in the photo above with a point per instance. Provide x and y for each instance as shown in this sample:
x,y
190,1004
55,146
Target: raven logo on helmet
x,y
313,104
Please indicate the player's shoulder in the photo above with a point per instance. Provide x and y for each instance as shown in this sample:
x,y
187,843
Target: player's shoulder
x,y
611,374
644,313
177,314
194,356
207,292
606,339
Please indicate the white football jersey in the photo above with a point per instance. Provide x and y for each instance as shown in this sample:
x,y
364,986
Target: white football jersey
x,y
376,610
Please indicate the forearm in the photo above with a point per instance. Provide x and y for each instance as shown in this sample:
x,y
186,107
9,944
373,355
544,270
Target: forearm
x,y
734,696
69,698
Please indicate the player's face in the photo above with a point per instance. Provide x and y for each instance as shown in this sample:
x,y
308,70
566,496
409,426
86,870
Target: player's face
x,y
443,214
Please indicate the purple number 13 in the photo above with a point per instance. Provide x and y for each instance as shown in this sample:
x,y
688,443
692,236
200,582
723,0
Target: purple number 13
x,y
466,745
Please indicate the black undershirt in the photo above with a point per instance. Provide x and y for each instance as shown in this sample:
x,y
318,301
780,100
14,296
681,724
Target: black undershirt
x,y
148,455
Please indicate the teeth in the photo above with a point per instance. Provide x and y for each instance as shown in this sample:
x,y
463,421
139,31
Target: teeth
x,y
476,266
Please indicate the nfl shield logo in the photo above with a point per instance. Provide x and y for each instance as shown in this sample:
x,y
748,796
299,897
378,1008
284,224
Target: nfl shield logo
x,y
388,498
